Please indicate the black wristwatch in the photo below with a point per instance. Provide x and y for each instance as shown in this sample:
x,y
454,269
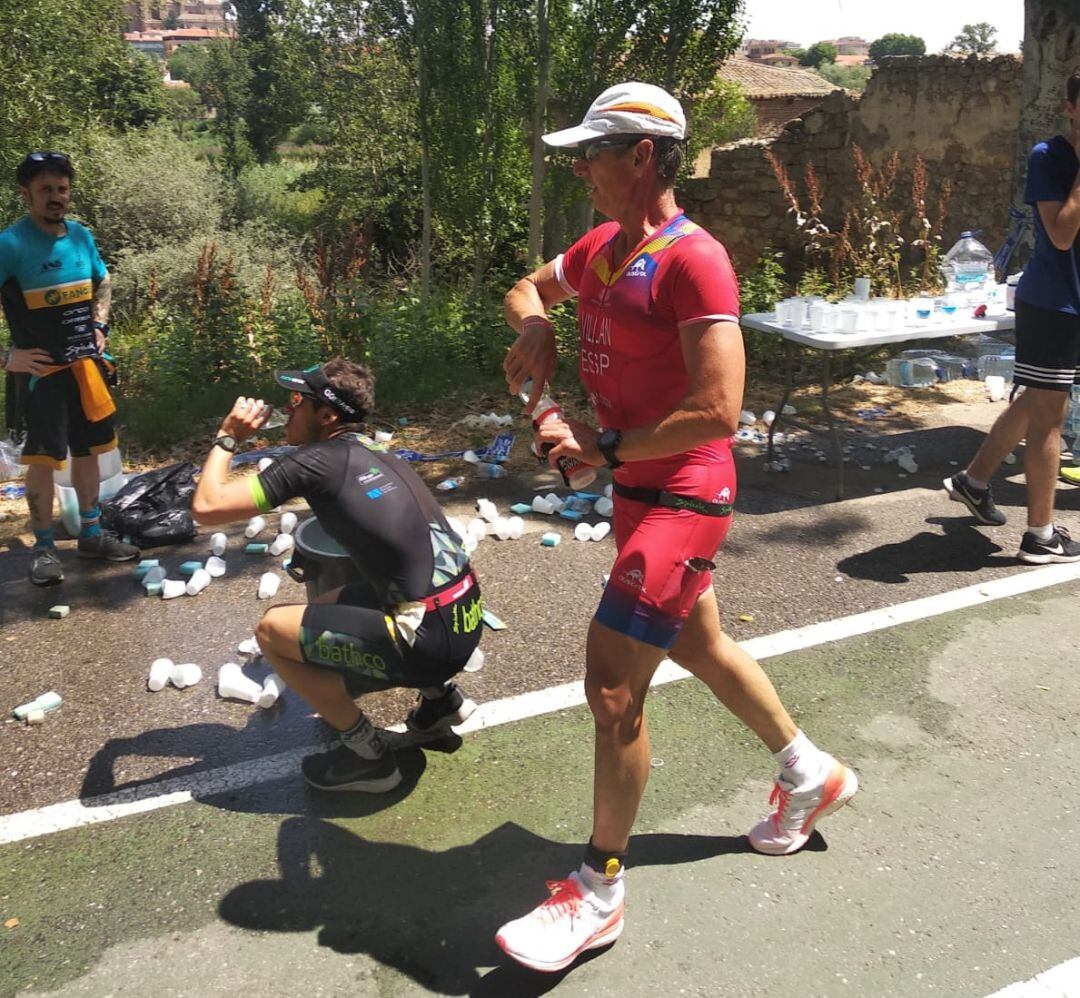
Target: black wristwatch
x,y
225,442
607,443
103,326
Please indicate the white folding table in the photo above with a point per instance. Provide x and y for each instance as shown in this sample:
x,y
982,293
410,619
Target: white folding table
x,y
833,342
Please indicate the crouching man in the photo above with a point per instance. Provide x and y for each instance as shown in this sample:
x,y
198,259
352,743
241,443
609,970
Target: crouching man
x,y
415,620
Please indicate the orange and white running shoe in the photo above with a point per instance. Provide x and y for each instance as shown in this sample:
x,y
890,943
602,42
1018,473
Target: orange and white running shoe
x,y
789,827
558,931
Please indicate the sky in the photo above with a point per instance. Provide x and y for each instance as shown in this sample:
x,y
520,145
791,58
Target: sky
x,y
937,22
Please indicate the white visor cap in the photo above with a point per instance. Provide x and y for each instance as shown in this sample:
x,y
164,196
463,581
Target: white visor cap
x,y
626,109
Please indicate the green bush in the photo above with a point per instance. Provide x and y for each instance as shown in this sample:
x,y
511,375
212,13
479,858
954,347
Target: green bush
x,y
270,194
141,190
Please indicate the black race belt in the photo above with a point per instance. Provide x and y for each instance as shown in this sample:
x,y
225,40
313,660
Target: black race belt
x,y
661,497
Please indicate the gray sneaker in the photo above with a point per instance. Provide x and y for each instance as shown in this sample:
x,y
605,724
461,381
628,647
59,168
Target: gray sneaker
x,y
107,546
45,569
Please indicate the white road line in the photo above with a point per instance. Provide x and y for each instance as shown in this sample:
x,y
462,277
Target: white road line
x,y
1062,981
180,789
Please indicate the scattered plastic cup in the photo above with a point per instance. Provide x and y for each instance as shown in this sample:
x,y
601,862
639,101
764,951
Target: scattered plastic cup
x,y
254,527
185,675
268,585
233,684
218,543
288,522
198,582
215,566
272,688
160,670
171,588
995,386
281,544
600,531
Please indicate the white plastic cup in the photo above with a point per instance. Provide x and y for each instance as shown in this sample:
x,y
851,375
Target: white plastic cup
x,y
288,522
477,528
255,526
249,646
468,544
849,320
281,544
583,532
160,670
604,506
218,543
542,505
268,585
215,566
273,686
862,288
782,309
171,588
198,582
557,502
233,684
185,675
155,574
995,385
487,510
475,662
600,531
517,527
799,310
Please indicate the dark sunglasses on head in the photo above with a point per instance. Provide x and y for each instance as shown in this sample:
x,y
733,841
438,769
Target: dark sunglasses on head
x,y
47,157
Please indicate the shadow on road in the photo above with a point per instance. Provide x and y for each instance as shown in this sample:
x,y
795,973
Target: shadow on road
x,y
253,785
431,915
961,548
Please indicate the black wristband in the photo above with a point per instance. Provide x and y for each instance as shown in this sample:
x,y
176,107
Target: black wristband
x,y
103,326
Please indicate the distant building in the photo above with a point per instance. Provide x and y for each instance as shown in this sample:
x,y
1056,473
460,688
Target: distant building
x,y
759,48
780,59
172,15
851,45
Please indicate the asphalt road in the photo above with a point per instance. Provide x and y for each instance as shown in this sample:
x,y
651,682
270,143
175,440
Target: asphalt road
x,y
950,875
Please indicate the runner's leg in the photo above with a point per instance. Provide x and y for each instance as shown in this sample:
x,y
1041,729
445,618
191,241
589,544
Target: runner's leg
x,y
736,679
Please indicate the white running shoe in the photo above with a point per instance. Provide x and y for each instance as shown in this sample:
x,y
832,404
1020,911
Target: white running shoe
x,y
563,927
789,827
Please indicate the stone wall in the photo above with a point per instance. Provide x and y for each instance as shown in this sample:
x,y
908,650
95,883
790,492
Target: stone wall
x,y
960,115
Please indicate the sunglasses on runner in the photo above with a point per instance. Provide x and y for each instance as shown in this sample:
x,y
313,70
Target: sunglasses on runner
x,y
591,150
47,157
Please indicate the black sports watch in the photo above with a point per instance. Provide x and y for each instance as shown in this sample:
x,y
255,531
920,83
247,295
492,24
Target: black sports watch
x,y
607,443
225,442
103,326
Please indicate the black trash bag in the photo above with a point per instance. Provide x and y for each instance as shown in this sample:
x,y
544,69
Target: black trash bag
x,y
155,507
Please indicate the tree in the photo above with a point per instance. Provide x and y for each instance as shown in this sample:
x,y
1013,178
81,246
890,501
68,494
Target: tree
x,y
268,41
848,77
974,39
188,63
818,53
896,44
171,21
1051,51
183,107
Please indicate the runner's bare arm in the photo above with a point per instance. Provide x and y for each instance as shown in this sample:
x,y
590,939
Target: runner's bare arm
x,y
533,353
1062,218
102,306
715,364
217,500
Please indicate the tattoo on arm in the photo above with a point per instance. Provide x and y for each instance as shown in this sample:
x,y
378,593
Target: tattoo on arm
x,y
103,300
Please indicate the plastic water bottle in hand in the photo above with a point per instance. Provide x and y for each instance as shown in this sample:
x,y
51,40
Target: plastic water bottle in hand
x,y
275,418
575,474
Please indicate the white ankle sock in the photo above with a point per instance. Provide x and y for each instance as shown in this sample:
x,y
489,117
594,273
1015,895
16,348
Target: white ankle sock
x,y
800,761
608,890
1042,534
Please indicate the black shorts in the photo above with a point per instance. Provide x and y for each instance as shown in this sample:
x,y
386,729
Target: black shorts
x,y
1047,348
357,638
55,423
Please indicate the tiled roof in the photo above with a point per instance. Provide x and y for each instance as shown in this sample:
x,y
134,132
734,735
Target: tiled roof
x,y
761,81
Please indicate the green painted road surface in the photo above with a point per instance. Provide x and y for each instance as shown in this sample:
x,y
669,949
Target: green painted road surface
x,y
953,873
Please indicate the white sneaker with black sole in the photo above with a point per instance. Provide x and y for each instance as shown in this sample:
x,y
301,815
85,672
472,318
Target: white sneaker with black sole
x,y
1060,549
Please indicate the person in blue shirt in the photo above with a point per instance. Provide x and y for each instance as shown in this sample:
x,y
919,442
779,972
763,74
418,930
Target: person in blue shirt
x,y
55,294
1047,351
